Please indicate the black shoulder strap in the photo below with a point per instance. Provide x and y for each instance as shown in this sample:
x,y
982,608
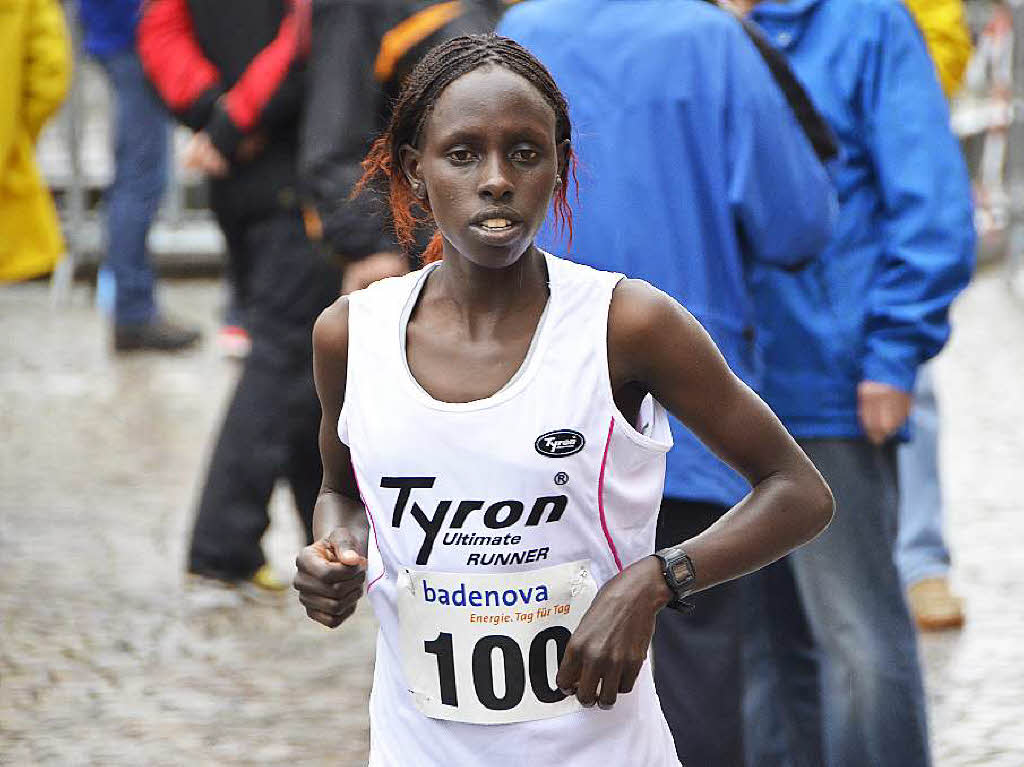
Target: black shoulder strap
x,y
818,132
814,126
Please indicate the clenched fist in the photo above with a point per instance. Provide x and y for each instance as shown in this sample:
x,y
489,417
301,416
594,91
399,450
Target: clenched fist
x,y
331,575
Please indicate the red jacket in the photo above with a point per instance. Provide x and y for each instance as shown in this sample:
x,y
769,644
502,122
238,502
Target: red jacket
x,y
233,68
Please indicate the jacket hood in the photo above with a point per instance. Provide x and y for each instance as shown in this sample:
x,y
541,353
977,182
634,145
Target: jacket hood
x,y
789,9
784,21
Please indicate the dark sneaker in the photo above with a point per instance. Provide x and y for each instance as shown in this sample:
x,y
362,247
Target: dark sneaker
x,y
157,334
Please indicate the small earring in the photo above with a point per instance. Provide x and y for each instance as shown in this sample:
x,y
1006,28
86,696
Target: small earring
x,y
417,189
558,181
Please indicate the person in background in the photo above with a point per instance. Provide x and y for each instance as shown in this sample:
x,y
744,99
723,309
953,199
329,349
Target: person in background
x,y
361,53
233,72
35,72
686,180
944,26
922,554
843,343
140,175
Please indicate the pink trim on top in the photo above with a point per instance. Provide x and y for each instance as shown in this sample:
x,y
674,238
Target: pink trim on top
x,y
373,527
600,497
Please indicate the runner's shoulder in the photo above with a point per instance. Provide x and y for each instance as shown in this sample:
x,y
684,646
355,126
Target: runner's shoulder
x,y
643,323
330,332
639,309
374,303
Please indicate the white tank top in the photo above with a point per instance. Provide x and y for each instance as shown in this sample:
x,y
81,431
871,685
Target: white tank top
x,y
493,522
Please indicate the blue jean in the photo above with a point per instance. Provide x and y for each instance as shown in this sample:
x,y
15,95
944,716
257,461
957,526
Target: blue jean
x,y
782,699
140,175
921,550
871,692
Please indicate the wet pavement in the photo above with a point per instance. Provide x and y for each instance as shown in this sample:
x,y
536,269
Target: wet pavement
x,y
106,660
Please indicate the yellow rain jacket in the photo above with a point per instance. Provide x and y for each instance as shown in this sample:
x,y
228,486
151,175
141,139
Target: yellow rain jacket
x,y
35,71
945,32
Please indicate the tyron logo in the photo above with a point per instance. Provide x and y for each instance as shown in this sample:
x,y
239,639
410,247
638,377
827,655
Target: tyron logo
x,y
560,443
496,516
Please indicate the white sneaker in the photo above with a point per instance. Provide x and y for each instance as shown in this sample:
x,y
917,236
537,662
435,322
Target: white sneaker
x,y
203,593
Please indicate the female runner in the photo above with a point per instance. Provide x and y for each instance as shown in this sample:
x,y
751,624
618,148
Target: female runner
x,y
493,443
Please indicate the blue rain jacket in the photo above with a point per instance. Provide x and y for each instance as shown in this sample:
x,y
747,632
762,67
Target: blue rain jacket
x,y
108,26
875,305
692,167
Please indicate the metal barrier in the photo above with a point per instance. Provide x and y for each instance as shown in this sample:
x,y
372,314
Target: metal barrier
x,y
76,158
988,118
1015,161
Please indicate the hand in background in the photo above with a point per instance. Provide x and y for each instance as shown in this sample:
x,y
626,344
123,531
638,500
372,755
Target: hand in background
x,y
882,409
202,155
374,267
250,147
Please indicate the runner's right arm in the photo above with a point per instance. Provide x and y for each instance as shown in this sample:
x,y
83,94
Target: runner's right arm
x,y
331,570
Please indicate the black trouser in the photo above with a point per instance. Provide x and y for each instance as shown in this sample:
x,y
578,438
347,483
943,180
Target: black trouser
x,y
270,430
698,657
236,268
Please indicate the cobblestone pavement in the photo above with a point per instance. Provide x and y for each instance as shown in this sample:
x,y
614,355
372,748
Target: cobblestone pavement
x,y
103,661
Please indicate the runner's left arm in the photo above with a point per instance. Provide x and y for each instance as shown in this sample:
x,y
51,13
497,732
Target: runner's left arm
x,y
655,346
663,349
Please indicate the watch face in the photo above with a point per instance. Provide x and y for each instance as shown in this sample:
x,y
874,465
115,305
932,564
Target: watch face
x,y
680,571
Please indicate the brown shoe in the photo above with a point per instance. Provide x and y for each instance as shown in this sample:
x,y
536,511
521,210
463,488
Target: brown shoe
x,y
933,606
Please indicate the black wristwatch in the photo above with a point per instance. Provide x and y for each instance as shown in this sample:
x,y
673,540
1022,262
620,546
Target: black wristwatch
x,y
680,576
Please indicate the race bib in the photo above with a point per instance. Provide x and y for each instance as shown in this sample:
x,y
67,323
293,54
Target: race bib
x,y
485,647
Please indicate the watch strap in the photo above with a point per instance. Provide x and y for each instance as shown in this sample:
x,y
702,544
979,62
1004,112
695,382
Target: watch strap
x,y
673,559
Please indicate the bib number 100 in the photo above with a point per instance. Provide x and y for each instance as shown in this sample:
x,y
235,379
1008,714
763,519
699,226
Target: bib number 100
x,y
512,662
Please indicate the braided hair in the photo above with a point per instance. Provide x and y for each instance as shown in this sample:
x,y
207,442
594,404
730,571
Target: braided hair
x,y
440,67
